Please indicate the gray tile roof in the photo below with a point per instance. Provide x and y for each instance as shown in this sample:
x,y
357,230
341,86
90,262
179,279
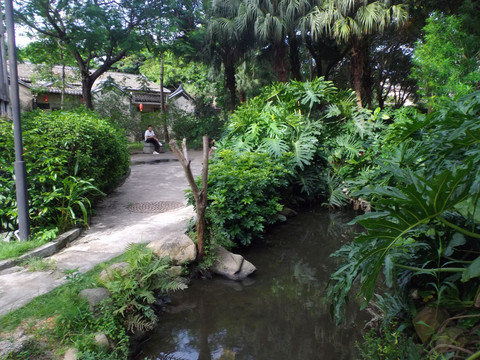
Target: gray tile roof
x,y
126,82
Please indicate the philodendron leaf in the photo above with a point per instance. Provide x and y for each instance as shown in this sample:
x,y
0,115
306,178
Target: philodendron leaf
x,y
457,240
418,202
472,271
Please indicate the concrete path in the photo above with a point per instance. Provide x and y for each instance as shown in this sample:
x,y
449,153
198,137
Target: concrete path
x,y
156,183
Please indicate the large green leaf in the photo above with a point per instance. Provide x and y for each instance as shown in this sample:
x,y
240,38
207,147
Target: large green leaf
x,y
418,203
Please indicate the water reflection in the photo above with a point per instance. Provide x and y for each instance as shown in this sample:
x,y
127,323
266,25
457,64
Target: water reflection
x,y
277,314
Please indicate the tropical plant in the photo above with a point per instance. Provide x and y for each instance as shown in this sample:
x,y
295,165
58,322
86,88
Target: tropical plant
x,y
426,222
73,196
276,30
393,344
350,22
227,39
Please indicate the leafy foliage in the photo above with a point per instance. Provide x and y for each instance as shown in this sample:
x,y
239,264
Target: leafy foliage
x,y
446,60
135,290
244,195
193,126
96,34
69,156
295,121
392,345
426,221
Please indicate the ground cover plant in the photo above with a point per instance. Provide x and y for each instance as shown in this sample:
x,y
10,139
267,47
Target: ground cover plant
x,y
71,158
61,319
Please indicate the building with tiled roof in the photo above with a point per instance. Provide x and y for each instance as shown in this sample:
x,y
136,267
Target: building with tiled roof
x,y
36,92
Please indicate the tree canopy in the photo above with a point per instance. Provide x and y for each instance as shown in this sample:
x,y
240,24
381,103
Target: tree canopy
x,y
96,33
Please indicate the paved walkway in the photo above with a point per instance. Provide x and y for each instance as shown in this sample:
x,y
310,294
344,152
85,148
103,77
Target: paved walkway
x,y
156,182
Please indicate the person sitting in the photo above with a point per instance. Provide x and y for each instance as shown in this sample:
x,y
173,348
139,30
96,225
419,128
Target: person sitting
x,y
151,138
211,144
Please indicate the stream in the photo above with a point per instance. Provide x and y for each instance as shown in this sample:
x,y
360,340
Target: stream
x,y
279,313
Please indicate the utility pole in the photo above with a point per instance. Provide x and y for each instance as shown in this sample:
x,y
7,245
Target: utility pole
x,y
20,170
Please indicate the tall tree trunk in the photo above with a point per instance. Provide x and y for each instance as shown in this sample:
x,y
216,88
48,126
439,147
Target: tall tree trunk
x,y
230,83
279,65
62,59
294,58
357,65
87,91
162,102
88,79
62,96
367,81
316,57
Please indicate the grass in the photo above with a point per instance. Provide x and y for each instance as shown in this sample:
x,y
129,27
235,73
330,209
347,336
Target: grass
x,y
135,145
60,319
13,249
39,264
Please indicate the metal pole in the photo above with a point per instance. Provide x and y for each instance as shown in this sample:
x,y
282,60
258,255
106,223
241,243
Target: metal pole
x,y
20,171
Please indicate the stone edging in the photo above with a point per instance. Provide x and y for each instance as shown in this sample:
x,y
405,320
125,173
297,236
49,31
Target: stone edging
x,y
45,250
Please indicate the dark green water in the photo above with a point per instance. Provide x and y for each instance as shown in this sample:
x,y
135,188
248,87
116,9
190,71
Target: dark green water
x,y
278,314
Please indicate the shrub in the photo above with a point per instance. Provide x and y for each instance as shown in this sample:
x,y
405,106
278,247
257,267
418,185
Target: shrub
x,y
69,155
319,126
244,195
193,126
92,145
425,230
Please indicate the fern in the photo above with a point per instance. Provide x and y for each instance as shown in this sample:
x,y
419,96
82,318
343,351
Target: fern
x,y
135,290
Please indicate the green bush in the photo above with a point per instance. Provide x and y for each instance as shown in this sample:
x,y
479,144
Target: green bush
x,y
193,126
425,229
244,195
69,155
319,127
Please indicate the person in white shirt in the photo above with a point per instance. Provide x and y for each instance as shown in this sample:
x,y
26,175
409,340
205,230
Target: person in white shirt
x,y
151,138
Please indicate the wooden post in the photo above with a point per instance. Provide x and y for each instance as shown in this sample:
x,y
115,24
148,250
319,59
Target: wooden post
x,y
200,195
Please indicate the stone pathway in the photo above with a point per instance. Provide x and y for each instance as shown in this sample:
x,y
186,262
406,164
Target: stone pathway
x,y
149,205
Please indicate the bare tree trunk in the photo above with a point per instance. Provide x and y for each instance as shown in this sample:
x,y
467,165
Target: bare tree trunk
x,y
230,81
62,58
357,64
200,195
162,103
294,57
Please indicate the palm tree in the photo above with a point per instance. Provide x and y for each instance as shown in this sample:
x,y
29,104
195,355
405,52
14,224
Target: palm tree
x,y
228,34
351,21
276,28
